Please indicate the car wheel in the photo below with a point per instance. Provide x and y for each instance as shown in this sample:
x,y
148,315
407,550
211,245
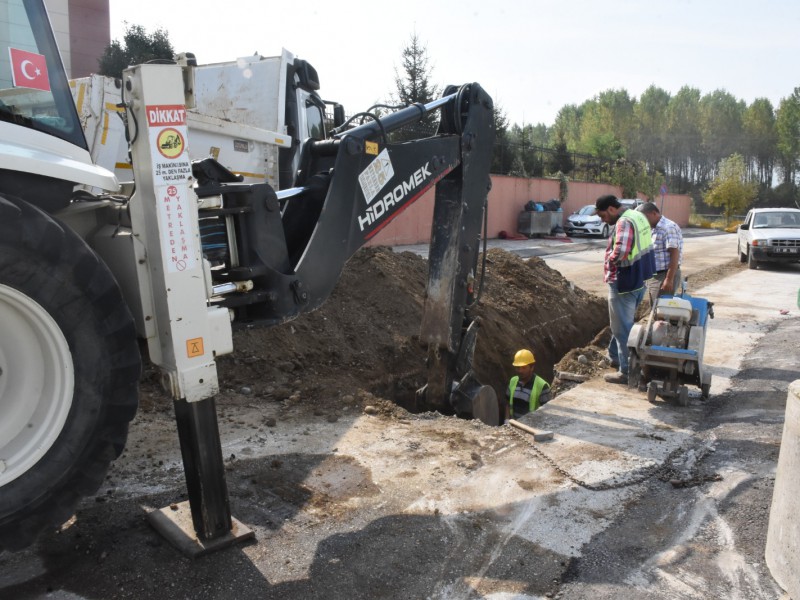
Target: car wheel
x,y
752,263
742,255
606,231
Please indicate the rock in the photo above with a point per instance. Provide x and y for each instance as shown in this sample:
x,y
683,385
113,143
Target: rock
x,y
370,410
582,359
572,377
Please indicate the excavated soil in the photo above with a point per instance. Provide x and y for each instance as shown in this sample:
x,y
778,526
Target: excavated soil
x,y
362,346
364,341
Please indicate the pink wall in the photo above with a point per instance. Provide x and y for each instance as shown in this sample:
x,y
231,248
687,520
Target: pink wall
x,y
89,34
506,199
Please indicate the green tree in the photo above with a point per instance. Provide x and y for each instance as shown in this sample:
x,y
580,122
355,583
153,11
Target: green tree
x,y
787,126
761,140
560,160
567,127
730,189
684,139
503,152
650,128
607,124
137,47
530,141
721,118
413,82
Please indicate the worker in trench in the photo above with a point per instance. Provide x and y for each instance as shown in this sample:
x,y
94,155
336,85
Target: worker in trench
x,y
526,391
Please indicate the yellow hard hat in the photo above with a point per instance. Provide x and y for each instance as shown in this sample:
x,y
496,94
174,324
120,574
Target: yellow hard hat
x,y
523,358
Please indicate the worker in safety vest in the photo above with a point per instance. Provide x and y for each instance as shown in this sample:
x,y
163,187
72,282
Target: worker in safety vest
x,y
526,391
629,264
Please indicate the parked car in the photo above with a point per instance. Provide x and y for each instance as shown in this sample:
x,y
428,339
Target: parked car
x,y
769,235
630,202
585,222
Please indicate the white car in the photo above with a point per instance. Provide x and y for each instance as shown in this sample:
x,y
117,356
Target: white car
x,y
586,222
769,235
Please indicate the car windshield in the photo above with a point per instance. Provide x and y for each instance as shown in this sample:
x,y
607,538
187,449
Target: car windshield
x,y
587,210
776,219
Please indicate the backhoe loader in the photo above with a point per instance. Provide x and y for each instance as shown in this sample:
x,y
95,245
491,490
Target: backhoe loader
x,y
189,246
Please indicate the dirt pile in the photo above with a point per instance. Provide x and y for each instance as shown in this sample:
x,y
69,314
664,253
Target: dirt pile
x,y
364,340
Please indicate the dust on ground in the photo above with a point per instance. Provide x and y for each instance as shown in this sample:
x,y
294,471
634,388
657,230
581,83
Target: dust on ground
x,y
362,346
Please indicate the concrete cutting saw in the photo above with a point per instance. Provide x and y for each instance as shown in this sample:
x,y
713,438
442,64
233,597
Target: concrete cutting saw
x,y
666,351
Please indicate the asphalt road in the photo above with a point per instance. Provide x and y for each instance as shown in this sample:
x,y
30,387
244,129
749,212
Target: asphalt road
x,y
420,506
708,541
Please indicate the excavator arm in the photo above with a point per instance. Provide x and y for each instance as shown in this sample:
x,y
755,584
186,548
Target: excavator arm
x,y
293,244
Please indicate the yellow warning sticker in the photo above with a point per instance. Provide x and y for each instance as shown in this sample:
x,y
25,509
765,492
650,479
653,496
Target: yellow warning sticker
x,y
371,148
170,143
194,347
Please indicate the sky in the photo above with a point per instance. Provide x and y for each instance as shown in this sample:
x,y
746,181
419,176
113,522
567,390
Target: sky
x,y
532,56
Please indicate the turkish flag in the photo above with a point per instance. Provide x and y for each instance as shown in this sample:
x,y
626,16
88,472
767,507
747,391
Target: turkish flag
x,y
29,70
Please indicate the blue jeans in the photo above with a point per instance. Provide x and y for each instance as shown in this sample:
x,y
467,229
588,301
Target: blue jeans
x,y
621,315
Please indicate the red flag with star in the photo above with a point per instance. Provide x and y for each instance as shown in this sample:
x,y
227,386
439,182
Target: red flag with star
x,y
29,70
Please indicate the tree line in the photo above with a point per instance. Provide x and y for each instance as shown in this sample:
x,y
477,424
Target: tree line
x,y
690,141
679,139
684,140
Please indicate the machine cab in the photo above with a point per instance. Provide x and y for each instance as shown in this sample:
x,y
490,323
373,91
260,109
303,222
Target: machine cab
x,y
42,146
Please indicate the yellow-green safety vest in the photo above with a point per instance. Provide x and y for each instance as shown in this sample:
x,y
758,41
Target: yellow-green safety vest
x,y
642,236
536,390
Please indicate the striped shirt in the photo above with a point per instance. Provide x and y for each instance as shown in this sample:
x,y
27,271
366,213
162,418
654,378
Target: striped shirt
x,y
522,397
666,234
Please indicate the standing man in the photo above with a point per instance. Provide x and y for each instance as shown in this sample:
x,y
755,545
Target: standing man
x,y
526,391
629,263
668,247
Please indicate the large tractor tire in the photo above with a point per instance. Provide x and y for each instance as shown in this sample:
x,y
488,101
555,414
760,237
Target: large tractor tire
x,y
69,372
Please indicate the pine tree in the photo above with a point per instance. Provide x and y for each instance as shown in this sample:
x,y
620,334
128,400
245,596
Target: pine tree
x,y
413,84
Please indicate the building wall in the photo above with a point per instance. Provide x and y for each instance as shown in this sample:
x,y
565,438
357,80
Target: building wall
x,y
82,29
59,19
90,18
507,198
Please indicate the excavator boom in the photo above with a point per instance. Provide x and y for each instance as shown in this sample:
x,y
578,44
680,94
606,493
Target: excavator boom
x,y
294,243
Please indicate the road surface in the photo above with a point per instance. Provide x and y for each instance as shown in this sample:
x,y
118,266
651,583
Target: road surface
x,y
585,268
391,505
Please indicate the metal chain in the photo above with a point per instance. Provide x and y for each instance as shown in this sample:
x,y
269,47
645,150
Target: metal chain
x,y
664,468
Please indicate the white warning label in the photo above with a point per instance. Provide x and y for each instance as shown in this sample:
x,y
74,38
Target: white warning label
x,y
376,175
167,126
178,239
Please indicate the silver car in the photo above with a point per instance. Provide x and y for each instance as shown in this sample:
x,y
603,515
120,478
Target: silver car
x,y
585,222
769,235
